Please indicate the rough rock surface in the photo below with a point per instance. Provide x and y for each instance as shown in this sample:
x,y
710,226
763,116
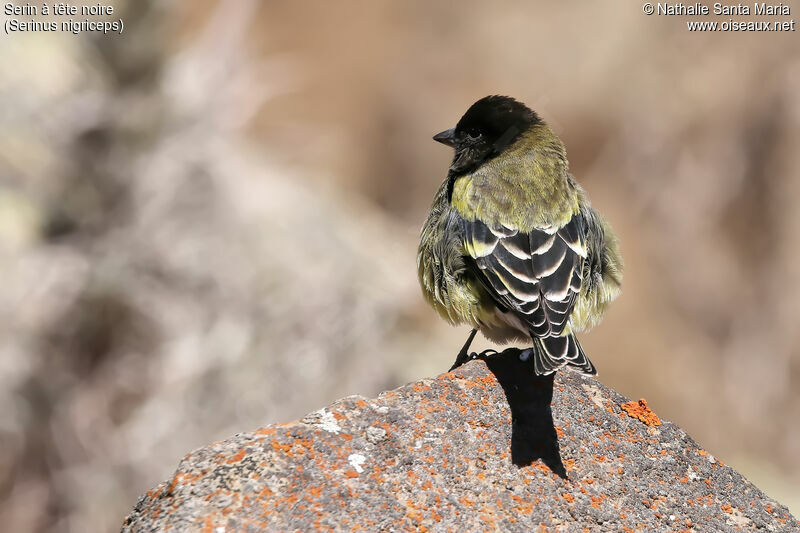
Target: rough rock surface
x,y
477,449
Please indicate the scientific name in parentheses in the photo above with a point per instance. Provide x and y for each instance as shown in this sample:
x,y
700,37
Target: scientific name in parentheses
x,y
59,9
759,8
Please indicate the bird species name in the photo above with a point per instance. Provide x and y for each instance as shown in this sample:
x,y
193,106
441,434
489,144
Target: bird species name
x,y
13,25
57,9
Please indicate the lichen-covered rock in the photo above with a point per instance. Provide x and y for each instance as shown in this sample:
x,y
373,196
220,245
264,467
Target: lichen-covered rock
x,y
477,449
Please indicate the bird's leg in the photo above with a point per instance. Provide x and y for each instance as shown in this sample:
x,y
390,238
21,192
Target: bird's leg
x,y
525,354
463,355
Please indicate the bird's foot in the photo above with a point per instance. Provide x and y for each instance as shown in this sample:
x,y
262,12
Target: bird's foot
x,y
524,355
464,357
486,354
461,358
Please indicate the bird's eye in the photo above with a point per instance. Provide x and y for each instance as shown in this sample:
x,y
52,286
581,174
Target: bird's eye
x,y
474,135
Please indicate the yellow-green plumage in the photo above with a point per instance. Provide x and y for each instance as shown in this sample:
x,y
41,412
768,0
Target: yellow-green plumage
x,y
456,294
517,189
511,245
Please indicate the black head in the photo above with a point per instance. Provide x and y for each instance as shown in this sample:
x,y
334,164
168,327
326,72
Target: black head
x,y
486,129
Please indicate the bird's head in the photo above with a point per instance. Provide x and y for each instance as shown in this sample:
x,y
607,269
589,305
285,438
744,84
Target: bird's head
x,y
489,126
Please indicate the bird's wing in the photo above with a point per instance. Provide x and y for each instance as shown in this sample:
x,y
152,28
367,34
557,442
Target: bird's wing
x,y
537,274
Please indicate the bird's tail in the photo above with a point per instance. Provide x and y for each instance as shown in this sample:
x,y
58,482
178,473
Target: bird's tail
x,y
552,353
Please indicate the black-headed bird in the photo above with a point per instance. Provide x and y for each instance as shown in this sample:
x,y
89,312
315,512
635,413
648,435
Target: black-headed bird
x,y
512,246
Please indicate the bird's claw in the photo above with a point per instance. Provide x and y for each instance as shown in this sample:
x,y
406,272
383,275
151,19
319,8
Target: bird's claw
x,y
461,358
464,357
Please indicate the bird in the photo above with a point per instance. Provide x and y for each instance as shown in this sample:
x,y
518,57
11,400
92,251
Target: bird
x,y
511,246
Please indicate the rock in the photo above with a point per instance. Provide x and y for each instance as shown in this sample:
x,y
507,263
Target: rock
x,y
449,454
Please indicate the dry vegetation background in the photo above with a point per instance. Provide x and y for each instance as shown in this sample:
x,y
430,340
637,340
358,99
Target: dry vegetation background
x,y
209,223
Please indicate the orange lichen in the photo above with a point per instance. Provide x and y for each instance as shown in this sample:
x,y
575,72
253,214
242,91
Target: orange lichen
x,y
489,521
523,505
640,411
237,457
176,479
280,447
414,514
727,508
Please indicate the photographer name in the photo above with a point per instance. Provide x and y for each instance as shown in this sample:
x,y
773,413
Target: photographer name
x,y
758,8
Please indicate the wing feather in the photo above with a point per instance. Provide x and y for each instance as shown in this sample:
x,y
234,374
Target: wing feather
x,y
536,275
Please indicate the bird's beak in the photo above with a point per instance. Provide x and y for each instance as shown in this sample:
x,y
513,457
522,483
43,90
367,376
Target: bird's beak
x,y
446,137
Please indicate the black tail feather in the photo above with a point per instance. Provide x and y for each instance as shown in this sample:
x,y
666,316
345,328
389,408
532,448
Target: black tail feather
x,y
552,353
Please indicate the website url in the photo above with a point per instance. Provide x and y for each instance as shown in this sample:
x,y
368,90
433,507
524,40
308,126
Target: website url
x,y
735,25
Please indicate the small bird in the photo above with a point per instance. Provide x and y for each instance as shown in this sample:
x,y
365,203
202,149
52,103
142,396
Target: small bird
x,y
511,246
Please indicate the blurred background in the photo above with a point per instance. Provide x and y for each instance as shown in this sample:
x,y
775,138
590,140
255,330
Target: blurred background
x,y
209,224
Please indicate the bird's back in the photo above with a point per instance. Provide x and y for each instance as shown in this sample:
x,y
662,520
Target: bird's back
x,y
528,187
